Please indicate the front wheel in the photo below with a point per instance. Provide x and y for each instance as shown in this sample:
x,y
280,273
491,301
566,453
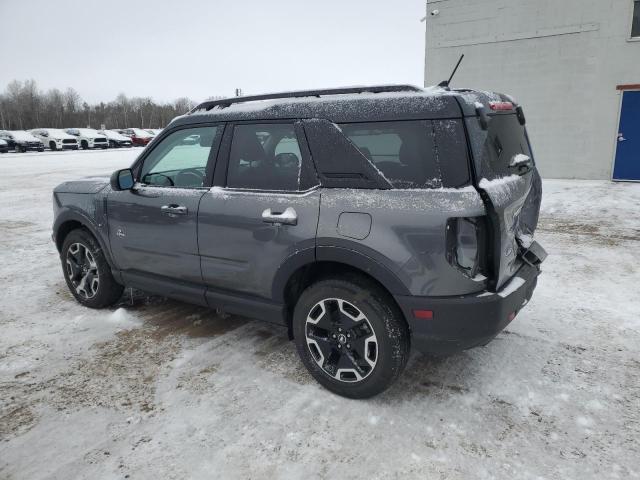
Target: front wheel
x,y
84,145
351,336
87,272
52,146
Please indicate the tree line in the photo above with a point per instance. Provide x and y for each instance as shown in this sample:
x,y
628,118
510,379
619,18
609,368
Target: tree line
x,y
24,106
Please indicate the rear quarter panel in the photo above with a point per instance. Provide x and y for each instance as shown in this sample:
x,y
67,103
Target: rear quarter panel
x,y
407,233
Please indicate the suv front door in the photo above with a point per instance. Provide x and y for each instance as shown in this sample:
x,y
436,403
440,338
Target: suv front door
x,y
262,211
153,227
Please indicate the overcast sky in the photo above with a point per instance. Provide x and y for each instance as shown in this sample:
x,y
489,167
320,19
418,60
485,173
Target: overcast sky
x,y
199,48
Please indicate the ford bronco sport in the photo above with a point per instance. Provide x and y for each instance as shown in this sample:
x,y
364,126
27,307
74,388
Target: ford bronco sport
x,y
366,220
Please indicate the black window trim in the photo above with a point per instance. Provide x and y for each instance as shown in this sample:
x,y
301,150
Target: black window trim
x,y
308,173
635,4
211,160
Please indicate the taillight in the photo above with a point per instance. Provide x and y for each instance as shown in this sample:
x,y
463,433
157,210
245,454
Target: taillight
x,y
501,106
465,240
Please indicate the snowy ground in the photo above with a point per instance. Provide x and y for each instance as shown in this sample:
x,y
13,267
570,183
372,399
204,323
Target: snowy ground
x,y
159,389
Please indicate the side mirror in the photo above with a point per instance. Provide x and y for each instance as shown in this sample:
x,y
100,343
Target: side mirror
x,y
122,180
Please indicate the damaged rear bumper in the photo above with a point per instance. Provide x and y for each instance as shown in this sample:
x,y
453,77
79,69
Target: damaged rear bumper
x,y
451,324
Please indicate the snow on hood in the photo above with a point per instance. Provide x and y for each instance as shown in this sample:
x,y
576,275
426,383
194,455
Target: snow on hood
x,y
56,133
23,136
85,132
111,135
85,185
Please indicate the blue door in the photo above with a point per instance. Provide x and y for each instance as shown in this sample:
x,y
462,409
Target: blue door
x,y
627,166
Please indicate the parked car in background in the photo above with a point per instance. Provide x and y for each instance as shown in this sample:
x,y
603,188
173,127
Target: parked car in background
x,y
115,139
21,141
4,146
88,138
154,131
55,138
138,136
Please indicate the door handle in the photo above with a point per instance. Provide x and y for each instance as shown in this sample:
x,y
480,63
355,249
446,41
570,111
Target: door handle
x,y
288,217
173,210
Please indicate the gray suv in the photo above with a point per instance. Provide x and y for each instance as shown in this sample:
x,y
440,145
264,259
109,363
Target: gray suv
x,y
368,221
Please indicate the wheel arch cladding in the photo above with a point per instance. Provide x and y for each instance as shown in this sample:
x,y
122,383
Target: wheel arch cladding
x,y
68,221
312,272
63,230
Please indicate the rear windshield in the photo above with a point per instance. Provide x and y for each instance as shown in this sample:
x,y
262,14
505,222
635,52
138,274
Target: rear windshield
x,y
497,148
414,154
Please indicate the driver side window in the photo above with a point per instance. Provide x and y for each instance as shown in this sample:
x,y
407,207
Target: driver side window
x,y
180,160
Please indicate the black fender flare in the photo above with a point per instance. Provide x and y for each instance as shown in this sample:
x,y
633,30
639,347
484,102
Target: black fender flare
x,y
348,253
75,215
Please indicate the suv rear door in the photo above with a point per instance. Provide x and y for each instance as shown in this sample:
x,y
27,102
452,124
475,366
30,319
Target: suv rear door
x,y
507,175
153,227
261,212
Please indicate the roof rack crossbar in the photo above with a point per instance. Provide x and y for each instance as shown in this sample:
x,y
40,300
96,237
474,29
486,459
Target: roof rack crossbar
x,y
305,93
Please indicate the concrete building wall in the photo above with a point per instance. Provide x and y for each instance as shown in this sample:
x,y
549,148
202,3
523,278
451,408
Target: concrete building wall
x,y
560,59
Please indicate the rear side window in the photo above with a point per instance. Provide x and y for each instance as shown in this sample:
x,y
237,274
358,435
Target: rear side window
x,y
264,157
414,154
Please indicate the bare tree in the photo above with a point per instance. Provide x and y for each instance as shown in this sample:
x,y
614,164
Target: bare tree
x,y
23,106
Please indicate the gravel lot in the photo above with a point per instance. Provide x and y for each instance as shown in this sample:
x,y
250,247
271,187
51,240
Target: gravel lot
x,y
159,389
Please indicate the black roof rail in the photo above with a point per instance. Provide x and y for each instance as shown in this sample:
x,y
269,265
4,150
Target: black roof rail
x,y
305,93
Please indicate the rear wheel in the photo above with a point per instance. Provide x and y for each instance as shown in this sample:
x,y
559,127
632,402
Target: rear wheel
x,y
87,272
351,336
84,144
52,146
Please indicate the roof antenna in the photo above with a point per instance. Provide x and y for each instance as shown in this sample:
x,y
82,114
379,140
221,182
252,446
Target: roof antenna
x,y
445,83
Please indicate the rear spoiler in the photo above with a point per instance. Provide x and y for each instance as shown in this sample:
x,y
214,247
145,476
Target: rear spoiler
x,y
485,104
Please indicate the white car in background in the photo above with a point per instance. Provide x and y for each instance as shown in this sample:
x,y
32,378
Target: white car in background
x,y
116,139
4,146
55,139
88,138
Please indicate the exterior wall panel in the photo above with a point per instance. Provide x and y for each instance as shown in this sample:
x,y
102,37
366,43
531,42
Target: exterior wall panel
x,y
561,60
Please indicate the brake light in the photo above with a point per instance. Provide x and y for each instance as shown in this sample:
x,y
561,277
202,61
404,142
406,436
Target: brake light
x,y
500,106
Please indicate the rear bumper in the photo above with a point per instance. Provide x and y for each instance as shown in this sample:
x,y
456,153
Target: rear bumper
x,y
467,321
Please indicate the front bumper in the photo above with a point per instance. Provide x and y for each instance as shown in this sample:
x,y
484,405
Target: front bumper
x,y
31,147
467,321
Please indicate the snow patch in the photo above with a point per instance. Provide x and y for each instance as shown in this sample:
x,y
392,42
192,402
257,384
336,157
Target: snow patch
x,y
584,421
123,318
498,182
511,287
525,239
519,159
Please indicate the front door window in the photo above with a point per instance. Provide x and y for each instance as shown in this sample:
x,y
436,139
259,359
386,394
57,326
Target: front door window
x,y
180,160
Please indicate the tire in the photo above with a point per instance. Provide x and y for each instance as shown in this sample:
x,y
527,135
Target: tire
x,y
52,146
87,272
337,320
84,144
